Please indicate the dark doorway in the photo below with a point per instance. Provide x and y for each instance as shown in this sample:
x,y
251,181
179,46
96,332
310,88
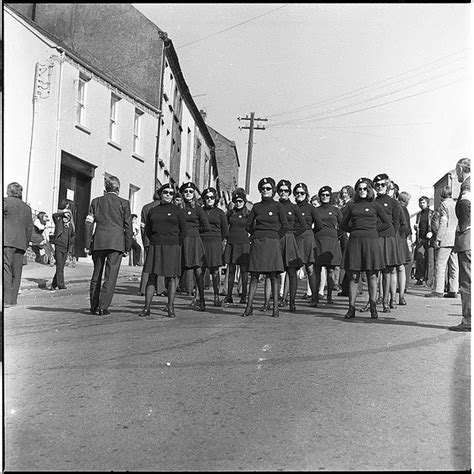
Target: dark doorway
x,y
75,185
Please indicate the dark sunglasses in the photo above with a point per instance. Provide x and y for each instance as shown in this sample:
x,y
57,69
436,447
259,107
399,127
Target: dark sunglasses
x,y
266,188
283,190
210,196
381,184
239,200
169,193
300,193
190,190
325,195
362,189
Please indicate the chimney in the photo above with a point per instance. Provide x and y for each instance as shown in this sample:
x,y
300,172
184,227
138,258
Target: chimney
x,y
203,114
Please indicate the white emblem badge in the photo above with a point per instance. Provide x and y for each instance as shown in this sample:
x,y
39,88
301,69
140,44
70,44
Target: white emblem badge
x,y
385,204
240,217
366,209
270,213
289,213
330,213
189,213
169,214
302,213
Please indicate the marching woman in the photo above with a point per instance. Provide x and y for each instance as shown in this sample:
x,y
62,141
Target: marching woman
x,y
391,248
267,224
237,248
213,238
305,239
292,258
327,246
193,248
165,228
363,218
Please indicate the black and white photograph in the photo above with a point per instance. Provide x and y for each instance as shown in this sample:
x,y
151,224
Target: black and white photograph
x,y
237,237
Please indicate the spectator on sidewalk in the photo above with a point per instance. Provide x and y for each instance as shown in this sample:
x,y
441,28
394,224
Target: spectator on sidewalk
x,y
445,258
39,240
136,248
462,242
63,240
17,230
424,253
109,242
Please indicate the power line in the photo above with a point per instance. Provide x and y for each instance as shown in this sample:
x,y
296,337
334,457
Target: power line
x,y
231,27
380,105
334,98
343,107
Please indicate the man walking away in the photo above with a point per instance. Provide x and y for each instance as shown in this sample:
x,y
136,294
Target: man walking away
x,y
462,242
17,230
109,234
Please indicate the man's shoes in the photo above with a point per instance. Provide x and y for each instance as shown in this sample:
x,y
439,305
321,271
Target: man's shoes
x,y
460,328
450,294
419,282
434,294
103,312
144,313
94,310
62,287
342,293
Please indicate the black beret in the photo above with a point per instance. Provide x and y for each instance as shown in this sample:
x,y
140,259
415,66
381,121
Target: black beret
x,y
209,191
263,181
301,185
238,194
379,177
165,186
284,182
324,189
363,180
187,185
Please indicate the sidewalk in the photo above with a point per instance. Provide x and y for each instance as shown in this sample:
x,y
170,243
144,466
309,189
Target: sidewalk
x,y
36,275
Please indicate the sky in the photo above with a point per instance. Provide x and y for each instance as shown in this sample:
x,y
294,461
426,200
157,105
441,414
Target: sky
x,y
349,90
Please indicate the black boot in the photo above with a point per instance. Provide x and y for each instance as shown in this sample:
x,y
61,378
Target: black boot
x,y
373,311
351,313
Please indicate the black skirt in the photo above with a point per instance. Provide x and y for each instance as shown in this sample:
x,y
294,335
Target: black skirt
x,y
163,260
305,242
363,254
213,252
392,253
327,250
404,249
193,252
265,256
238,254
290,251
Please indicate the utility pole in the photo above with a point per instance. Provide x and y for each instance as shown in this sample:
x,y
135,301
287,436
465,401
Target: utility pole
x,y
251,128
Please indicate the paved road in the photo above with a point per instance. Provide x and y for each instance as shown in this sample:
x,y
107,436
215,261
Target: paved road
x,y
213,391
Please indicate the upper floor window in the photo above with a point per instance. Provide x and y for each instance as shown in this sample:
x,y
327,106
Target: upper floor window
x,y
113,118
81,100
137,125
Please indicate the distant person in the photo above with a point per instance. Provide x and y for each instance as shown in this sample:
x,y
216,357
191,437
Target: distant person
x,y
17,230
136,247
407,250
345,195
446,260
165,229
39,241
462,242
109,238
424,253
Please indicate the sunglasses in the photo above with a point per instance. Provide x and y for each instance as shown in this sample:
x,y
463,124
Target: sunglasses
x,y
300,193
381,184
188,191
325,195
169,193
362,189
266,188
283,190
239,201
210,196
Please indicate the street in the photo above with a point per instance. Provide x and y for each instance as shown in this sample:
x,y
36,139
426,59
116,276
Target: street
x,y
213,391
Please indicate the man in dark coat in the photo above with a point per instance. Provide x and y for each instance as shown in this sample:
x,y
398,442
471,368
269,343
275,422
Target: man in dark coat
x,y
17,230
63,240
109,234
462,242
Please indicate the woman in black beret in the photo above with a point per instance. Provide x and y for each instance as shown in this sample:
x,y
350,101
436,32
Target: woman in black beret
x,y
363,218
327,247
392,251
213,238
165,227
193,248
267,224
237,248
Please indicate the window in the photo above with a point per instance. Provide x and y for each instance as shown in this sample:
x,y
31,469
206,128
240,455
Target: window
x,y
81,99
137,122
113,118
